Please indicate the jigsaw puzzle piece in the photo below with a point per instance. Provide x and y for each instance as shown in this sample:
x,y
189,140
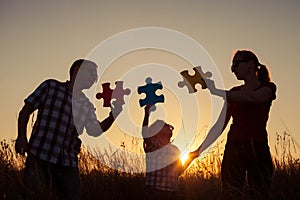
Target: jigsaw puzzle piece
x,y
190,81
149,89
119,92
105,95
108,94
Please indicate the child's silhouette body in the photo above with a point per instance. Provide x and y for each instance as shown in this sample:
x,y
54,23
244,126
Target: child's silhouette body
x,y
163,164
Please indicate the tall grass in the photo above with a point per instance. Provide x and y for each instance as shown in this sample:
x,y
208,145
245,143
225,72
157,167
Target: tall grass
x,y
200,181
11,172
286,179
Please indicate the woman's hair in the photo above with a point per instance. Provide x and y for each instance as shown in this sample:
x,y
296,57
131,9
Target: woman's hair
x,y
262,71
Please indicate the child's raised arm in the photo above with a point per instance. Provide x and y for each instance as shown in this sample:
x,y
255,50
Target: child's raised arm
x,y
145,128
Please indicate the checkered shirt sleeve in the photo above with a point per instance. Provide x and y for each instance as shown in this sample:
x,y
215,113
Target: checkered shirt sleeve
x,y
161,168
85,117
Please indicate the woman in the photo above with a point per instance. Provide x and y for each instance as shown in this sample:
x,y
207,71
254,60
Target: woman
x,y
246,152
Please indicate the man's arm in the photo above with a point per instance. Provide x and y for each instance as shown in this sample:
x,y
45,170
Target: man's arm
x,y
21,145
107,122
96,128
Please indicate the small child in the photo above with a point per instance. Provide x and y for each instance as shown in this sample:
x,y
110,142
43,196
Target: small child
x,y
163,165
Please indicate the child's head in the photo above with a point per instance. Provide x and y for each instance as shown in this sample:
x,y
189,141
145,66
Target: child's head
x,y
161,130
159,136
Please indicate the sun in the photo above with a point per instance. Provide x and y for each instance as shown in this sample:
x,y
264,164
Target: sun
x,y
184,157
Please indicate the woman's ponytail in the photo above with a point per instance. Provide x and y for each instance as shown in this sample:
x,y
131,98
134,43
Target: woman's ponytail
x,y
263,73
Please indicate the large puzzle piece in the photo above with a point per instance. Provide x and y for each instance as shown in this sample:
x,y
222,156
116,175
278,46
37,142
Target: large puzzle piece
x,y
149,89
108,94
191,81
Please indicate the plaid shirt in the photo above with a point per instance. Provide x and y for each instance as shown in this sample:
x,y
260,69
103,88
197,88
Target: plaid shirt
x,y
54,137
161,167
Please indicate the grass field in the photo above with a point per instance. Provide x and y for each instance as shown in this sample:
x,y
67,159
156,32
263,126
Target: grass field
x,y
200,181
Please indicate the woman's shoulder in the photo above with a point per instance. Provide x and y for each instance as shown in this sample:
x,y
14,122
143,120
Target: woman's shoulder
x,y
236,88
270,85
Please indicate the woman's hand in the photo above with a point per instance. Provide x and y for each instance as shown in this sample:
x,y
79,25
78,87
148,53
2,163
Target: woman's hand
x,y
210,85
213,90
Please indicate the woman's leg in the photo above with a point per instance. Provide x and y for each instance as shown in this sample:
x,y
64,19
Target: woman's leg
x,y
232,173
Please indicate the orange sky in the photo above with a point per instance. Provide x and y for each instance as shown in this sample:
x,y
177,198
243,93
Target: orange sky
x,y
41,40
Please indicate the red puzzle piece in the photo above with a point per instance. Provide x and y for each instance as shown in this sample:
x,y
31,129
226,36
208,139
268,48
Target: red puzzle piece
x,y
191,81
108,94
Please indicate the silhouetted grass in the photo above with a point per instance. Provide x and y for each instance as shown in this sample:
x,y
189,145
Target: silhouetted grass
x,y
200,181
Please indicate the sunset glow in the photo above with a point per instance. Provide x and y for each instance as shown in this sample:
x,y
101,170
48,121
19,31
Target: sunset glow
x,y
39,42
184,157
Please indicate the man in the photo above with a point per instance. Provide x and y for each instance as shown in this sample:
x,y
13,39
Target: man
x,y
63,112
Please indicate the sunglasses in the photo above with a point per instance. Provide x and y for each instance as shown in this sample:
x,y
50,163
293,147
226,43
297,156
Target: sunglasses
x,y
236,63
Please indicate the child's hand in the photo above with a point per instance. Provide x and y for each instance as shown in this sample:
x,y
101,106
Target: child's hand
x,y
148,109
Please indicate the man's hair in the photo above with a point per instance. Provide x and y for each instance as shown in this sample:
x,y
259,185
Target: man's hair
x,y
78,63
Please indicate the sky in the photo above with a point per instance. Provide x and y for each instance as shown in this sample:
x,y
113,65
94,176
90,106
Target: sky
x,y
41,39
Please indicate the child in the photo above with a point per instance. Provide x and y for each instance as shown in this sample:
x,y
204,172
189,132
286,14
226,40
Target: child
x,y
163,165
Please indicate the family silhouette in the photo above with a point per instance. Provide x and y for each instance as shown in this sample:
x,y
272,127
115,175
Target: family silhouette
x,y
64,112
